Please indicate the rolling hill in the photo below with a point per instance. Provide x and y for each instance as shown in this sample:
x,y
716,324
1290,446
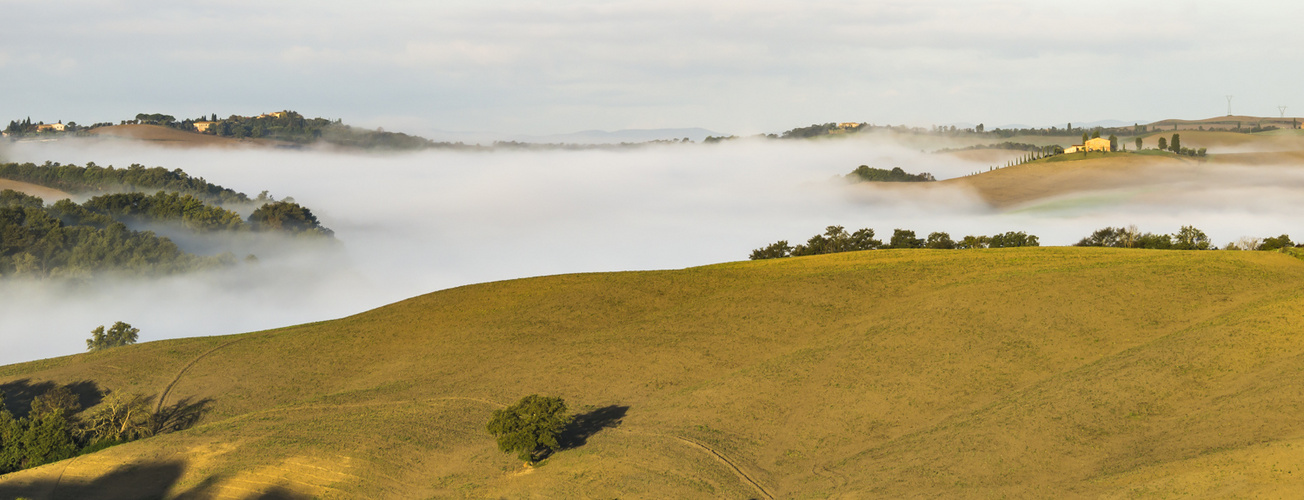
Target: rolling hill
x,y
166,136
1027,372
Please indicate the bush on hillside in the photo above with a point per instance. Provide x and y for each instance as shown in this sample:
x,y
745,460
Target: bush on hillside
x,y
530,427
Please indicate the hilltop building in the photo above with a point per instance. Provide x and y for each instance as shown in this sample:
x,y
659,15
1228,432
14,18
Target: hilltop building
x,y
203,126
57,127
1097,144
275,114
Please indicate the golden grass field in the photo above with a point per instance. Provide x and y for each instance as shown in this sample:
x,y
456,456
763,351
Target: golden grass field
x,y
1022,372
48,194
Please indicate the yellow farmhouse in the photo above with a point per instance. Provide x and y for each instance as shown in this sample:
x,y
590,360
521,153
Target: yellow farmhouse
x,y
1097,144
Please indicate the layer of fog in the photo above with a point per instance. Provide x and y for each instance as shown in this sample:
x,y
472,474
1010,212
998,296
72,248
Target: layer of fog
x,y
415,223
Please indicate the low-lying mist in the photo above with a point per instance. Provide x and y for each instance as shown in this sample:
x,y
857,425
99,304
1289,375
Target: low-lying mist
x,y
413,223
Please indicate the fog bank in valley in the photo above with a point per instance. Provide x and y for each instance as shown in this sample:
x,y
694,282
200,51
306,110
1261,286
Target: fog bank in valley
x,y
414,223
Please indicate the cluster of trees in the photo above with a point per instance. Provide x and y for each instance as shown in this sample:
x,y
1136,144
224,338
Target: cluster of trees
x,y
865,173
120,334
55,427
288,217
35,241
70,240
836,239
1186,238
1273,244
1175,146
191,212
94,178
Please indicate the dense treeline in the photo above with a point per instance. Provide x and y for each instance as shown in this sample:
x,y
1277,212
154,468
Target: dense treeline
x,y
94,178
36,241
191,212
836,239
1186,238
865,173
55,428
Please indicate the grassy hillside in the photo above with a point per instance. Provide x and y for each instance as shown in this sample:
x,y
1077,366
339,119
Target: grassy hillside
x,y
1030,372
1011,187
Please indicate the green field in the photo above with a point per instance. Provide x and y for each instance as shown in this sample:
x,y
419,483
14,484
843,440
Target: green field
x,y
1024,372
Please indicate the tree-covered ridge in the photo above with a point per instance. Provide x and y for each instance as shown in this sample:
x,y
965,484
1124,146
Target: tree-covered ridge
x,y
35,241
293,127
93,178
866,173
191,212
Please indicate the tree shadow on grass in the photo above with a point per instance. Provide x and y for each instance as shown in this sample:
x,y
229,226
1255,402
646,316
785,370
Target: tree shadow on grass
x,y
18,394
180,416
127,481
585,425
145,481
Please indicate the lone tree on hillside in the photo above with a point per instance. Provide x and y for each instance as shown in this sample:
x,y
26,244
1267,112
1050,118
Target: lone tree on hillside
x,y
530,427
1138,143
1163,144
119,335
1176,144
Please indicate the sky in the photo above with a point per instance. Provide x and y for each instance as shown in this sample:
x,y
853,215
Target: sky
x,y
559,66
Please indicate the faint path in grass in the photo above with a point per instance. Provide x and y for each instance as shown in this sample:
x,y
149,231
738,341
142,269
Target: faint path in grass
x,y
718,456
823,471
162,397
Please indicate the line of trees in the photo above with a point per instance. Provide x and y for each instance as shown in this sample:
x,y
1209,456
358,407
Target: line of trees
x,y
94,178
836,239
1175,145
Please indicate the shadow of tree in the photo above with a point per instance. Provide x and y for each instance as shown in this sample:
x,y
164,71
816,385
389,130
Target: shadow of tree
x,y
128,481
144,481
585,425
181,415
18,394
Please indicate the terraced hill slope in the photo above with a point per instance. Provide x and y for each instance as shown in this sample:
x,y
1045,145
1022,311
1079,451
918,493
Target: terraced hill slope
x,y
1026,372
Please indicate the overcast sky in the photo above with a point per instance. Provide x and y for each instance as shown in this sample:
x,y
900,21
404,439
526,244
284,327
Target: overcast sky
x,y
555,66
